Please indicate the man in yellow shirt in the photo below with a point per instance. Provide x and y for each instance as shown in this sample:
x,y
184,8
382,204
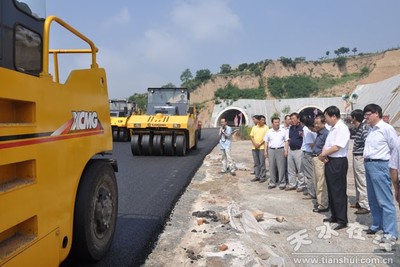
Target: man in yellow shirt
x,y
257,135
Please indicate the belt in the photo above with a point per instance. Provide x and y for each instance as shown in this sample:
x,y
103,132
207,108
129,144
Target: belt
x,y
332,158
295,148
274,148
369,160
315,155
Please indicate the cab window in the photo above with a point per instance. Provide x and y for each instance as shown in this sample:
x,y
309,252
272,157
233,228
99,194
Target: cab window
x,y
28,47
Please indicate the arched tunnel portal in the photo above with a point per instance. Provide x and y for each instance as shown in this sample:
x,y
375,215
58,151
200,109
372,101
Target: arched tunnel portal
x,y
309,111
234,116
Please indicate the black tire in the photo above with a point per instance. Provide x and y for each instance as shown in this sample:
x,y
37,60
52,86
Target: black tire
x,y
157,145
115,134
123,135
147,144
180,145
195,140
95,214
135,145
169,149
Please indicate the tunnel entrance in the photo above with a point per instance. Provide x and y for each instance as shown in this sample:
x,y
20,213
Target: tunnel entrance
x,y
309,112
235,117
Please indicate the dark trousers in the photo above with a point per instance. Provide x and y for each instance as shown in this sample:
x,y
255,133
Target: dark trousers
x,y
336,181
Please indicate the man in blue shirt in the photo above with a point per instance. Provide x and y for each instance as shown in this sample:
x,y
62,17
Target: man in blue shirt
x,y
225,136
295,155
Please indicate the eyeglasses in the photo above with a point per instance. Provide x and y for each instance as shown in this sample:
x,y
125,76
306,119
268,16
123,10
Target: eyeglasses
x,y
367,114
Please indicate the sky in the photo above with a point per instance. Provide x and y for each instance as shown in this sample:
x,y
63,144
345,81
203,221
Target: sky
x,y
149,43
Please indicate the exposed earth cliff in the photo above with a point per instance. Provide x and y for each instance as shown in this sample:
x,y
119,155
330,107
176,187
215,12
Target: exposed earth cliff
x,y
381,66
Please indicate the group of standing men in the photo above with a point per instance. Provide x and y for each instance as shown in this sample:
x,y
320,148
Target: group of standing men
x,y
309,155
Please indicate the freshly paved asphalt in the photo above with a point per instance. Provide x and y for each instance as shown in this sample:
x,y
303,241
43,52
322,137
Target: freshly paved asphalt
x,y
148,187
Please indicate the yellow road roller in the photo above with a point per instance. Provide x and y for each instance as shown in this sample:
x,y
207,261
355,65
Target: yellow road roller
x,y
120,111
169,127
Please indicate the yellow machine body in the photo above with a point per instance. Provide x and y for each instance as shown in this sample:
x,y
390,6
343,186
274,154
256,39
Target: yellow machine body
x,y
48,133
120,111
169,127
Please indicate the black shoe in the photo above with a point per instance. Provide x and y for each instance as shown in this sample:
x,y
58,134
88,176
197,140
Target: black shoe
x,y
271,186
255,179
329,220
262,180
320,210
290,188
339,226
370,231
355,206
362,211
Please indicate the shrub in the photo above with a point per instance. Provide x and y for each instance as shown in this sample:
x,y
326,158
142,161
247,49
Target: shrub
x,y
233,92
341,61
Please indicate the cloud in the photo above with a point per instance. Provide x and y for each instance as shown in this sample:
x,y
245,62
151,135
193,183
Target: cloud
x,y
205,20
160,53
123,17
161,46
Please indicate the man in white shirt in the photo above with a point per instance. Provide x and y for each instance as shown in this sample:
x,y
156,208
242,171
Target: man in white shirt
x,y
334,155
380,143
225,135
276,150
286,124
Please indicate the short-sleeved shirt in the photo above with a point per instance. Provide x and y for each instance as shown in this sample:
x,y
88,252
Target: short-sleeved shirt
x,y
308,139
380,141
258,133
295,139
225,141
394,161
276,138
359,139
339,135
320,141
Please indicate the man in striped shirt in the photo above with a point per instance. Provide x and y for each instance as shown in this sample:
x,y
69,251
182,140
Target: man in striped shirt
x,y
360,181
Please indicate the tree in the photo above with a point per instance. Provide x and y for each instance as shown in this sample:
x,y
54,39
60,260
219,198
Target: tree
x,y
225,68
242,66
140,100
337,53
354,50
203,75
287,62
169,85
186,76
343,50
327,54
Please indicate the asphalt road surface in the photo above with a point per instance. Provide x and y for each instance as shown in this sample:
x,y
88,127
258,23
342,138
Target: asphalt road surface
x,y
148,187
